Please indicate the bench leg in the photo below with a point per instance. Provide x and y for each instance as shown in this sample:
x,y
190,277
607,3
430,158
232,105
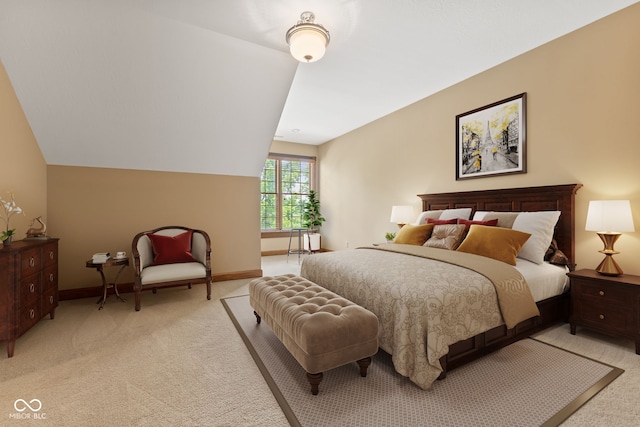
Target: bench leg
x,y
314,380
258,318
364,364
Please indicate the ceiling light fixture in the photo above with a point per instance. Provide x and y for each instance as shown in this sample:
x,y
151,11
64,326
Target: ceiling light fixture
x,y
307,40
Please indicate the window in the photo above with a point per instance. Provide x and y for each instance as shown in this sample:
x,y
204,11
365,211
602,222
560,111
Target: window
x,y
284,187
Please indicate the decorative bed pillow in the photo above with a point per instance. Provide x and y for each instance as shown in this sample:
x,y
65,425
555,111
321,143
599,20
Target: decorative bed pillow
x,y
444,214
498,243
446,236
555,256
505,219
414,234
540,225
422,218
464,213
442,221
469,222
171,249
479,215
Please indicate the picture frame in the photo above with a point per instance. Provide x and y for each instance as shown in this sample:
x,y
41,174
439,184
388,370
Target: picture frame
x,y
491,140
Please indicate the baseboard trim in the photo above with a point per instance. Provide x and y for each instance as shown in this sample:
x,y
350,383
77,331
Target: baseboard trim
x,y
123,288
247,274
284,252
272,253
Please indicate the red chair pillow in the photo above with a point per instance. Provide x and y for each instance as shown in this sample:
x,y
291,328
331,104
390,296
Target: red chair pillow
x,y
171,249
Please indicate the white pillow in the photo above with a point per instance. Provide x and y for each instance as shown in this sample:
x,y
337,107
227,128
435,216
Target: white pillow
x,y
479,215
540,225
422,218
464,213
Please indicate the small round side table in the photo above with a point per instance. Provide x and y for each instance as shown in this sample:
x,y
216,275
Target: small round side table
x,y
99,266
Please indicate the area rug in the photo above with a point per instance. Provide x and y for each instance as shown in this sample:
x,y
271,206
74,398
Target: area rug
x,y
528,383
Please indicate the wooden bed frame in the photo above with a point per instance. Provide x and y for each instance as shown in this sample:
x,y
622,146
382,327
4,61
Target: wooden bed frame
x,y
552,310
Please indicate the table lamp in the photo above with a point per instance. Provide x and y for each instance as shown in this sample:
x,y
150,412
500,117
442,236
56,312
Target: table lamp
x,y
609,218
401,215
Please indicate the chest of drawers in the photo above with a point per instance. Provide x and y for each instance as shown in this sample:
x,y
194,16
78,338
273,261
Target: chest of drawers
x,y
28,286
607,304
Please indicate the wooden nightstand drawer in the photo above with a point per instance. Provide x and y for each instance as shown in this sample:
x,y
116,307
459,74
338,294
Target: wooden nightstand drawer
x,y
607,317
604,292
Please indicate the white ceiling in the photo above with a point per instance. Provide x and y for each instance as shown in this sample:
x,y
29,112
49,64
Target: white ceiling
x,y
205,85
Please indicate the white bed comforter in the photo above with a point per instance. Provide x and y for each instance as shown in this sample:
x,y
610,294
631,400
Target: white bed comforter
x,y
423,305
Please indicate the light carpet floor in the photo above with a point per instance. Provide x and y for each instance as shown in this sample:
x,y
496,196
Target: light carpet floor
x,y
516,386
180,362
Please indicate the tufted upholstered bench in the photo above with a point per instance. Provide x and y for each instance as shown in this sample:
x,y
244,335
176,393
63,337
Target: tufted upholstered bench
x,y
320,329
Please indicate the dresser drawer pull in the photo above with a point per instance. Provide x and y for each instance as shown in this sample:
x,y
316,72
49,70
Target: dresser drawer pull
x,y
601,293
50,299
32,314
51,255
601,317
32,262
32,288
51,277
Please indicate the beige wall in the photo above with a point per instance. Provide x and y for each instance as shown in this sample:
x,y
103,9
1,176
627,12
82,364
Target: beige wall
x,y
583,93
279,244
23,170
97,210
94,209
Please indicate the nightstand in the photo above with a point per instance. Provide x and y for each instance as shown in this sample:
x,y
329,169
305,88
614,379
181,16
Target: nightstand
x,y
607,304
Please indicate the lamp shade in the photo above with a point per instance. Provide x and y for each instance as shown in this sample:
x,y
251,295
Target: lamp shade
x,y
609,216
307,40
402,214
307,45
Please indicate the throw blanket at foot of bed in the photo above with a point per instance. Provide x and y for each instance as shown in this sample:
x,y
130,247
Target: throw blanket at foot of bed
x,y
422,303
320,329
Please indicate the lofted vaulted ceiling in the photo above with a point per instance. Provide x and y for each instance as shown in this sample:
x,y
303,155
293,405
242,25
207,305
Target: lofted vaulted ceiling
x,y
204,86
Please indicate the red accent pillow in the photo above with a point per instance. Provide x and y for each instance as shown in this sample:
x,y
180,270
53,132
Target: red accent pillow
x,y
441,221
468,222
171,249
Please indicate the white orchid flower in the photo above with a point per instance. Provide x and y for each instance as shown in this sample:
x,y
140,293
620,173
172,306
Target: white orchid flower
x,y
10,208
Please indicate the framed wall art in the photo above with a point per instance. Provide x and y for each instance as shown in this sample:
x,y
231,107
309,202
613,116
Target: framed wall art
x,y
491,140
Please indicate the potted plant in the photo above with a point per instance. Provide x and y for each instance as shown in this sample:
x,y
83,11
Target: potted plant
x,y
9,209
390,237
312,219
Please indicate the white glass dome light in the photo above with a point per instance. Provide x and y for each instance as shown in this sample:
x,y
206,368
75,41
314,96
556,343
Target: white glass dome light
x,y
307,40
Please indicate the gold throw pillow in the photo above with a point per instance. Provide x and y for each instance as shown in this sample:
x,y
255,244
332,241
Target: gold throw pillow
x,y
498,243
414,234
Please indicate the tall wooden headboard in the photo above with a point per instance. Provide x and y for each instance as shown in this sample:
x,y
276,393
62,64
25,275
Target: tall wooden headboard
x,y
546,198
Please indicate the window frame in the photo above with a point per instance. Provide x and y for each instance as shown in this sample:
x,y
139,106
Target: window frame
x,y
312,160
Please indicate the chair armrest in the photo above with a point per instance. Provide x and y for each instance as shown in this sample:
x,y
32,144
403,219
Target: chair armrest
x,y
200,246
